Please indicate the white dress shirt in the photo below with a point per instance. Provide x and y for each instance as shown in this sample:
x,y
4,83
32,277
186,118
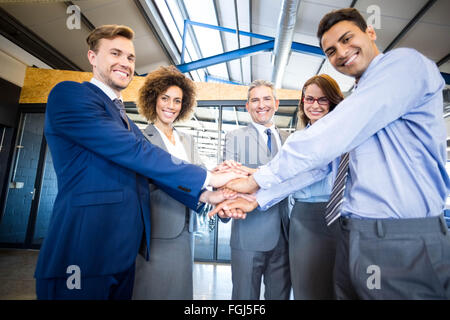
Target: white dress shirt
x,y
177,149
262,131
106,89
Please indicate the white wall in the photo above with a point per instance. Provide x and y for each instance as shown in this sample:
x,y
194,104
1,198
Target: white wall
x,y
12,69
14,61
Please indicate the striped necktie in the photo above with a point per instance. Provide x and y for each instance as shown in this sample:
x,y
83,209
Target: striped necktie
x,y
332,211
119,104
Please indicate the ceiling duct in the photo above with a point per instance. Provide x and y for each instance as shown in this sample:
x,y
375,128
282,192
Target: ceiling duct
x,y
283,39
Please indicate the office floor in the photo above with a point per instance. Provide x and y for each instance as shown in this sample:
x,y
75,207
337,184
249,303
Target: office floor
x,y
211,281
16,274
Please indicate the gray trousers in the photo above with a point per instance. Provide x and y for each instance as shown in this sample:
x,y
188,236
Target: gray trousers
x,y
168,273
249,267
312,251
393,259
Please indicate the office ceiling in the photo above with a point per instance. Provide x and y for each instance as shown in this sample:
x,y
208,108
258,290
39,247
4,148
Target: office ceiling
x,y
159,28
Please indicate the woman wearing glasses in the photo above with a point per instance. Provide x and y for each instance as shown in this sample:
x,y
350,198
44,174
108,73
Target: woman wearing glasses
x,y
312,244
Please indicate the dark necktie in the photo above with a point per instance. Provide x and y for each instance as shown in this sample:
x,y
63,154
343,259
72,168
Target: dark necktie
x,y
332,211
119,104
271,142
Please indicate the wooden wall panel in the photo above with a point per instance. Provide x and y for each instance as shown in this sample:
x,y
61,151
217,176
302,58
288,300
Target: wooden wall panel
x,y
39,82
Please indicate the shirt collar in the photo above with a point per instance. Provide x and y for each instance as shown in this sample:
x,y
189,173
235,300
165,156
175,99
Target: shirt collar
x,y
261,129
106,89
371,65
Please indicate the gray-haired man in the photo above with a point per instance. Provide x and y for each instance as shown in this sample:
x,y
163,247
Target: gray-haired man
x,y
259,245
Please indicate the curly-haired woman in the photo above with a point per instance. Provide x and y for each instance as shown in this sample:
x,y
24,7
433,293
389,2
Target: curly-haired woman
x,y
167,96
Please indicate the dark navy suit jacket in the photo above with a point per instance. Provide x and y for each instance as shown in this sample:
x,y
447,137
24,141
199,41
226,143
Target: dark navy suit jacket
x,y
102,209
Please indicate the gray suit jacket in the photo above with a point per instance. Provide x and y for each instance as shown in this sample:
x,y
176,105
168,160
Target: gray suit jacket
x,y
168,216
260,231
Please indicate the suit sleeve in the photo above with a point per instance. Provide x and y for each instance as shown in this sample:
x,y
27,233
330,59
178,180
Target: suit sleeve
x,y
79,115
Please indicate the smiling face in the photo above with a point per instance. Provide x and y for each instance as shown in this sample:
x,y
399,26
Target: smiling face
x,y
262,105
113,63
349,49
315,111
168,105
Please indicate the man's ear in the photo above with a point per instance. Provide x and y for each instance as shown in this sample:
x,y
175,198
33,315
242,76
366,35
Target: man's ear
x,y
277,104
246,106
92,56
371,33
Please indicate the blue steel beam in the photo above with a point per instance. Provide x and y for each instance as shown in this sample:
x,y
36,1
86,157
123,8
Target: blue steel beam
x,y
240,53
209,78
307,49
226,56
229,30
296,46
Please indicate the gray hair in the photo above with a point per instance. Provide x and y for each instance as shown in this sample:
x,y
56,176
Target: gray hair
x,y
260,83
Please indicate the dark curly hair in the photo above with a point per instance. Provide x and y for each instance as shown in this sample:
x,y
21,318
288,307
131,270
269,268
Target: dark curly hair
x,y
156,83
330,88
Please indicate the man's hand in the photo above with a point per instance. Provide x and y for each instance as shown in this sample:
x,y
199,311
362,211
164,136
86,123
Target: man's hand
x,y
243,185
218,196
221,178
231,165
236,209
248,170
227,165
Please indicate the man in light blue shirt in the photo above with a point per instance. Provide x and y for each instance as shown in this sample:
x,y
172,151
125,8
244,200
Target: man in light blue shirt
x,y
392,125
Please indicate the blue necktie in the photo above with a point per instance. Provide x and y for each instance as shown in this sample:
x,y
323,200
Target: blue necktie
x,y
119,104
271,145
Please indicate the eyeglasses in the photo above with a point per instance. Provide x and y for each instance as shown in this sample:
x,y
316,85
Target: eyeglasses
x,y
310,100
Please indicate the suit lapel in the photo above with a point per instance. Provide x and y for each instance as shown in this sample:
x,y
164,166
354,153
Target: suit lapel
x,y
109,105
253,132
263,156
154,137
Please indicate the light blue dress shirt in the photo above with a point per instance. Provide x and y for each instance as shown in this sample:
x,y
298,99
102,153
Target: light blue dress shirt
x,y
317,192
392,125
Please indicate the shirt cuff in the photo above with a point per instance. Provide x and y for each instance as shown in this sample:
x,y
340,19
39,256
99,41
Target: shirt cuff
x,y
263,200
265,178
207,179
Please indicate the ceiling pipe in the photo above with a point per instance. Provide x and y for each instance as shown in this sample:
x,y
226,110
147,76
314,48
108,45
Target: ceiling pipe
x,y
283,39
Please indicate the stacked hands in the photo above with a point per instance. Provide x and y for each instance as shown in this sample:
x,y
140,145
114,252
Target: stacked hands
x,y
236,190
